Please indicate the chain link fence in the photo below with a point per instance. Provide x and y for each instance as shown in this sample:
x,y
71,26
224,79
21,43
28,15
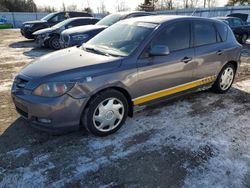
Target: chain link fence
x,y
17,18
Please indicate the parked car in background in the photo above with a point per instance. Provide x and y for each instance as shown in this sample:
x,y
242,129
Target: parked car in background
x,y
240,28
49,37
51,19
138,61
79,35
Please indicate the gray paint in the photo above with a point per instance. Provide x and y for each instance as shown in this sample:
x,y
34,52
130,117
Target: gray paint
x,y
135,75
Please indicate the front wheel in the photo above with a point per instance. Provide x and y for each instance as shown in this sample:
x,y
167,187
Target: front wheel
x,y
225,79
54,43
105,113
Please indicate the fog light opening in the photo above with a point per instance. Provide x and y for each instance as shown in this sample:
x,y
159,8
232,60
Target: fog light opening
x,y
44,120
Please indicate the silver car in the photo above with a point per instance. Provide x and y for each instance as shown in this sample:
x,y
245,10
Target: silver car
x,y
135,62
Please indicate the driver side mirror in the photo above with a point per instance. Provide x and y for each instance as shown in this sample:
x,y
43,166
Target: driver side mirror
x,y
159,50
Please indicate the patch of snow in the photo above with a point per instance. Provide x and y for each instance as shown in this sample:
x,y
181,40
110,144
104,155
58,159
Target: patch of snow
x,y
244,85
26,177
177,126
18,152
5,86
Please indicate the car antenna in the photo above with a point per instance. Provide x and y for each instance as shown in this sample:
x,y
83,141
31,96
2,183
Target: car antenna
x,y
194,12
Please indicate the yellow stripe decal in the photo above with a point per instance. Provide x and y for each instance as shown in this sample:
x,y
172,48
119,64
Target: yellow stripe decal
x,y
173,90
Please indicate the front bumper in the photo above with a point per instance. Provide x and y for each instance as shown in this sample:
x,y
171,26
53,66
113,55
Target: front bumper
x,y
42,41
27,33
64,112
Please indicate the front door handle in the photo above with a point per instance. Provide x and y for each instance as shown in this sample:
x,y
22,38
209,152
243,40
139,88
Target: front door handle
x,y
219,52
186,59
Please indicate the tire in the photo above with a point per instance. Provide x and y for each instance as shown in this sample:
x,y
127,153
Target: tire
x,y
54,43
227,74
243,39
46,44
105,113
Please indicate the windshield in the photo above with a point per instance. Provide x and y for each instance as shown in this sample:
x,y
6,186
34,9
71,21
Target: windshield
x,y
120,39
110,19
63,23
46,18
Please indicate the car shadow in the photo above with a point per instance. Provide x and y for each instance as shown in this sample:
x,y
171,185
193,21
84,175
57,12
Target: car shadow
x,y
34,52
23,44
37,52
21,134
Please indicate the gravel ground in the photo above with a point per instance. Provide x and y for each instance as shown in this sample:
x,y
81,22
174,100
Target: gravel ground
x,y
200,140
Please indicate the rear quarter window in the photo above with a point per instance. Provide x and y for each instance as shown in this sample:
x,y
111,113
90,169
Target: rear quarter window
x,y
222,30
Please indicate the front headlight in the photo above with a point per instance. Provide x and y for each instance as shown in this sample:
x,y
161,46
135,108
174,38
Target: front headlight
x,y
44,35
28,25
53,89
80,37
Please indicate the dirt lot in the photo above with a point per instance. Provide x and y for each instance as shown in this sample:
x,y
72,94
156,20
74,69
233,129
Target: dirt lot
x,y
201,140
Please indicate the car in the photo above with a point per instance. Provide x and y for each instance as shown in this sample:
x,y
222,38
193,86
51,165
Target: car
x,y
49,37
135,62
240,28
51,19
78,35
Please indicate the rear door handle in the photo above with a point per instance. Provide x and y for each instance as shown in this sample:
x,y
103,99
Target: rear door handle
x,y
219,52
186,59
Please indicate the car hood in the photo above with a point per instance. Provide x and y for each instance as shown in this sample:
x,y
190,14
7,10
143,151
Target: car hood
x,y
83,29
69,64
35,22
46,30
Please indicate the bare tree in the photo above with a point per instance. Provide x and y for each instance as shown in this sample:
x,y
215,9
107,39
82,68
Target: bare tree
x,y
72,7
121,6
164,5
102,8
63,7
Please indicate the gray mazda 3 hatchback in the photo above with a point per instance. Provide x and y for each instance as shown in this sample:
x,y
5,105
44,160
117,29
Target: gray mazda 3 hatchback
x,y
135,62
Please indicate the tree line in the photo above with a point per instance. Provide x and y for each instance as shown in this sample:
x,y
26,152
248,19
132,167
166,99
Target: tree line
x,y
151,5
147,5
18,6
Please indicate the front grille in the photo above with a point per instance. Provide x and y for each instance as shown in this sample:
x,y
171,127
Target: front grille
x,y
20,82
21,112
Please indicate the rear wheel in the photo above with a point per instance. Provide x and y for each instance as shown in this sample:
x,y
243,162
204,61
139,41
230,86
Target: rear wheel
x,y
54,43
244,38
225,79
106,113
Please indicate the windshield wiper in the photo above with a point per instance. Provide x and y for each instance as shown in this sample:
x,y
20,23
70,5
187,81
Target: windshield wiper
x,y
96,51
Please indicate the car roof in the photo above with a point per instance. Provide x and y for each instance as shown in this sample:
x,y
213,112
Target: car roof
x,y
225,17
159,19
133,12
79,18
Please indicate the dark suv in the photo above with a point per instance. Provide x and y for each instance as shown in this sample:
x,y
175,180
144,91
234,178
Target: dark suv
x,y
30,27
240,28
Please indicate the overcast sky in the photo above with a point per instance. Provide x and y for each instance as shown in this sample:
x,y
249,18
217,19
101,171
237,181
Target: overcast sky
x,y
94,4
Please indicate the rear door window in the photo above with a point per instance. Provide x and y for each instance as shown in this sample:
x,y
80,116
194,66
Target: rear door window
x,y
204,33
175,36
